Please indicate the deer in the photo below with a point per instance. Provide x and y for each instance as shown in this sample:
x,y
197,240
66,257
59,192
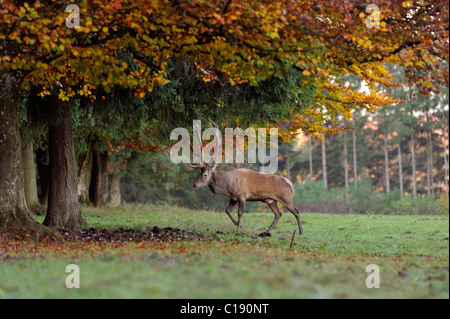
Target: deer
x,y
242,184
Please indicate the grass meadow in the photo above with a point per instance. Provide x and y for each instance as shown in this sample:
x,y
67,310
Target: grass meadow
x,y
214,259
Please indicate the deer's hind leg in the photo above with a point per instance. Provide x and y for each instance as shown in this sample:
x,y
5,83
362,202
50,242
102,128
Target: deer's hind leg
x,y
273,206
290,206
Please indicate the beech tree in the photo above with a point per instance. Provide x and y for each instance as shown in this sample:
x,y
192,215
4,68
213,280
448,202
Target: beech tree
x,y
245,42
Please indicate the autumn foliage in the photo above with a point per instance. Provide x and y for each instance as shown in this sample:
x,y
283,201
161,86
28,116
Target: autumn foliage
x,y
246,41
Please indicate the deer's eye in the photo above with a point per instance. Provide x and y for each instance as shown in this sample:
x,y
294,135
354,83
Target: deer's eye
x,y
204,175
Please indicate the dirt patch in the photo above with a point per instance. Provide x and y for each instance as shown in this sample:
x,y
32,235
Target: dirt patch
x,y
155,233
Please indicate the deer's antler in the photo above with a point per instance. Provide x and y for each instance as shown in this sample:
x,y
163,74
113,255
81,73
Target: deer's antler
x,y
217,138
202,163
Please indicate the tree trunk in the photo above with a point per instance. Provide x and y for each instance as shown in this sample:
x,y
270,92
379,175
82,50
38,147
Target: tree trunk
x,y
30,182
413,148
386,163
355,163
345,165
413,160
288,166
428,170
116,198
100,172
84,173
400,170
413,163
428,162
430,185
15,218
62,209
445,170
324,165
43,172
310,158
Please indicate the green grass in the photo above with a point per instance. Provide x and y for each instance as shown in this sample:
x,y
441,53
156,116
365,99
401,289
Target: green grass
x,y
328,261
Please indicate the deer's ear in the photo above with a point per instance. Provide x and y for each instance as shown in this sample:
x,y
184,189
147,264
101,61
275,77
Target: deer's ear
x,y
213,166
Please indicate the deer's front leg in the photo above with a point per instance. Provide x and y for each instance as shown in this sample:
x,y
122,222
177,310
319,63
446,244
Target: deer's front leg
x,y
230,206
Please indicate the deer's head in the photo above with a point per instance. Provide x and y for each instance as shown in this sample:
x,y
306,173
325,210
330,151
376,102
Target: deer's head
x,y
206,171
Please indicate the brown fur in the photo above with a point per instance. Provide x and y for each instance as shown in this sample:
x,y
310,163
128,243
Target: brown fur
x,y
242,185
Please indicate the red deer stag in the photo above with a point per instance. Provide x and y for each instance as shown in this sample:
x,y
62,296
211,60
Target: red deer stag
x,y
241,185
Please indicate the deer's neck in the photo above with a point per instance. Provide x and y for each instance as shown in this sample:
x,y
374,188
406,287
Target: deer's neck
x,y
217,183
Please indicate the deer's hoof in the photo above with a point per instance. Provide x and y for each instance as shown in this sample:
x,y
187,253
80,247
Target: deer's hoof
x,y
265,234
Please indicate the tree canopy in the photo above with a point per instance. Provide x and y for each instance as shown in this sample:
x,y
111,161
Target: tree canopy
x,y
154,64
244,41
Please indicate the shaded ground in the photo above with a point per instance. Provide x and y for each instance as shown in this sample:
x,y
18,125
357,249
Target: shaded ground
x,y
120,235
